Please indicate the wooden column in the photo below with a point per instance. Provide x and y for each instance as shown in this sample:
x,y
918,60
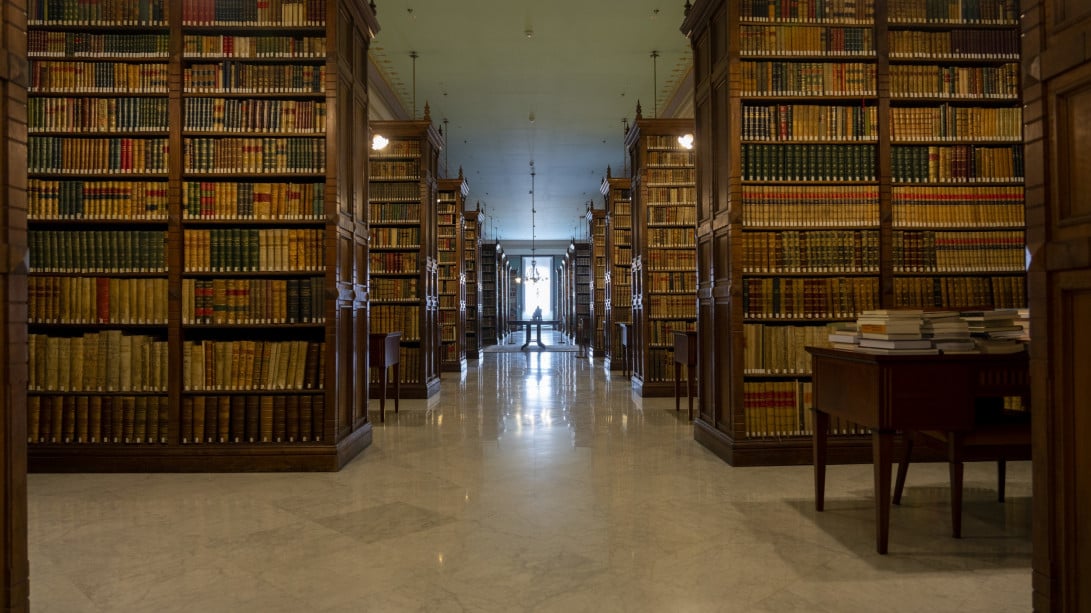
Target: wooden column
x,y
14,566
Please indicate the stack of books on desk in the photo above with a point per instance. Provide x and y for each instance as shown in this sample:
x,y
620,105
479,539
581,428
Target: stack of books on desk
x,y
843,335
996,331
949,332
896,332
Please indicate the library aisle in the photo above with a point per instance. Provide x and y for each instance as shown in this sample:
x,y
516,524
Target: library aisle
x,y
536,481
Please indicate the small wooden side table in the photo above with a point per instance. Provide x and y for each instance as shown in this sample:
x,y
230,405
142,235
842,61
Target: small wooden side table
x,y
624,327
685,352
384,349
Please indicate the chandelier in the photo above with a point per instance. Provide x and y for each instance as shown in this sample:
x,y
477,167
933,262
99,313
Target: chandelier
x,y
533,276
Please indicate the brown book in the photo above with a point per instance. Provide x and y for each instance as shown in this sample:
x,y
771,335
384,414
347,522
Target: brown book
x,y
310,380
128,416
292,411
83,405
238,419
253,419
34,412
318,416
56,419
188,403
164,418
224,418
94,420
306,414
140,419
107,418
266,419
197,420
280,419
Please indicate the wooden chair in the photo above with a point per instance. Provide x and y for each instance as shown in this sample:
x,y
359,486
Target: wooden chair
x,y
999,435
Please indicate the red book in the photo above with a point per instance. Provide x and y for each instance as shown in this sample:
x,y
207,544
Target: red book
x,y
102,300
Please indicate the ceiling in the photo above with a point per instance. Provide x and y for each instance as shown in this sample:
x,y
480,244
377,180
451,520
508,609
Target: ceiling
x,y
514,81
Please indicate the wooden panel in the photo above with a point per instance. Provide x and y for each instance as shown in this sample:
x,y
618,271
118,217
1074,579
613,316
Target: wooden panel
x,y
1073,160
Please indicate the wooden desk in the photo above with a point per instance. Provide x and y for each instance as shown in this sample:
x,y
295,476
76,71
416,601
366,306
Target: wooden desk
x,y
625,333
533,322
887,393
383,351
685,352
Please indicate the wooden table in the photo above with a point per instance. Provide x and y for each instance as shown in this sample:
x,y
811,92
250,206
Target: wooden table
x,y
533,322
383,351
887,393
685,353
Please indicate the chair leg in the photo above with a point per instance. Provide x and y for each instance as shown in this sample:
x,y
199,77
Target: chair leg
x,y
1001,476
956,499
903,468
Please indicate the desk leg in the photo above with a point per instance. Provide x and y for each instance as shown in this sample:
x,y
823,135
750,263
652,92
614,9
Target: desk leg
x,y
882,451
540,337
526,339
382,394
821,427
689,389
397,385
677,380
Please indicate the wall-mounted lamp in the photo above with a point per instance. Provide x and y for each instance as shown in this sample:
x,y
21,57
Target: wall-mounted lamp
x,y
686,140
379,142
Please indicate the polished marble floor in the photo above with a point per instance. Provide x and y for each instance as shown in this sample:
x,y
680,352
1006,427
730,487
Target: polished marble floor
x,y
535,482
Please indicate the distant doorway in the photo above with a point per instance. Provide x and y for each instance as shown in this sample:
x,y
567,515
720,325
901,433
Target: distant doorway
x,y
537,293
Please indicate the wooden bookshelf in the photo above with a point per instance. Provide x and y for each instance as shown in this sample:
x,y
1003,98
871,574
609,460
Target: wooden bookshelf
x,y
859,186
403,242
490,331
619,264
450,226
596,222
663,201
471,266
261,362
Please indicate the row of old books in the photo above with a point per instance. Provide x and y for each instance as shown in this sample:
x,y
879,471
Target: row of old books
x,y
669,159
970,44
83,114
80,12
380,169
91,251
809,162
108,361
253,250
767,78
764,206
254,155
253,418
811,251
661,176
239,77
267,13
229,46
1007,291
67,155
954,11
106,200
252,116
671,305
385,318
779,349
667,195
671,237
70,44
808,298
58,76
956,163
395,237
393,263
956,123
780,40
253,365
669,282
671,215
96,300
97,419
980,251
383,288
661,332
956,213
666,259
253,301
970,82
230,200
810,122
774,409
816,11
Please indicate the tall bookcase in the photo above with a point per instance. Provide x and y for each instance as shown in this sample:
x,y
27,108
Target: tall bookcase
x,y
664,274
581,290
450,225
404,267
198,298
851,156
489,277
471,267
619,264
596,221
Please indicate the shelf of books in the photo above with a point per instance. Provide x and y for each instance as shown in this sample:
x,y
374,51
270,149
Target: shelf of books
x,y
664,274
471,258
870,160
619,258
489,295
452,280
404,267
596,221
181,304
